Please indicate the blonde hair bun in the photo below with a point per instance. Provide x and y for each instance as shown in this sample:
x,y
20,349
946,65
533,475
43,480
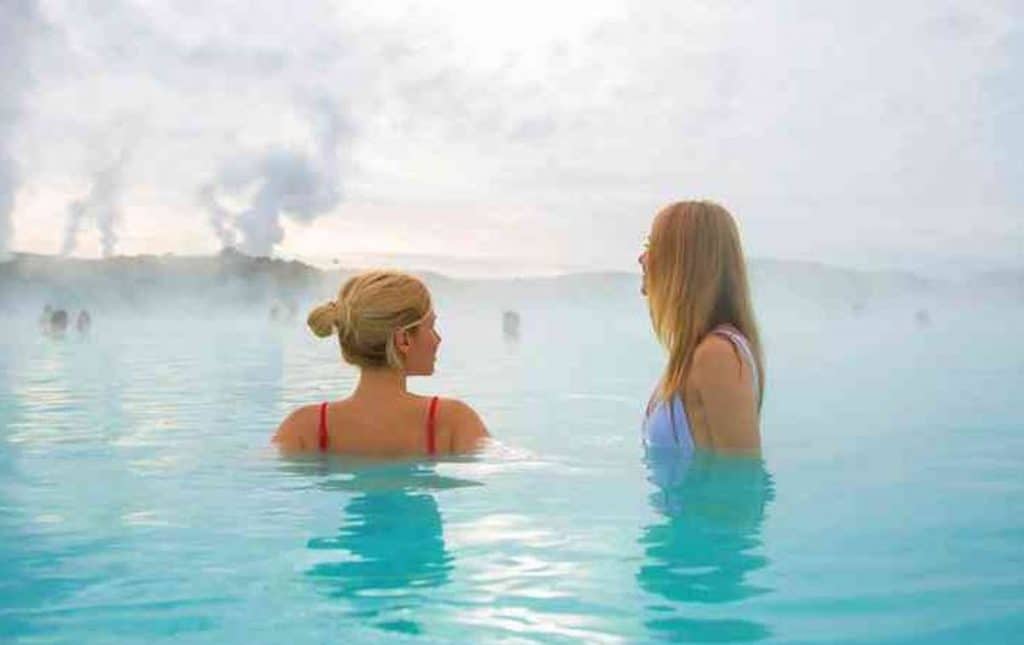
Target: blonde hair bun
x,y
323,320
370,307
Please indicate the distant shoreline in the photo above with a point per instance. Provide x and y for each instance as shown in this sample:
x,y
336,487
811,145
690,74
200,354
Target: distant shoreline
x,y
499,271
201,284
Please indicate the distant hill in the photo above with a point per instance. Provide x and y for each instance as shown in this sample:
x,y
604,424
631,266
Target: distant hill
x,y
229,279
1007,281
817,282
226,279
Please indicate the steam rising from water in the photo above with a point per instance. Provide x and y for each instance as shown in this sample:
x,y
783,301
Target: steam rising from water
x,y
282,181
101,204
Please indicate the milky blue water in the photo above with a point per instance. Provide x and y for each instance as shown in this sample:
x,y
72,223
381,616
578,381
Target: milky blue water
x,y
139,499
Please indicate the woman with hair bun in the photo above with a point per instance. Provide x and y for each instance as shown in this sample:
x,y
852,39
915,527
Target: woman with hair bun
x,y
384,323
695,280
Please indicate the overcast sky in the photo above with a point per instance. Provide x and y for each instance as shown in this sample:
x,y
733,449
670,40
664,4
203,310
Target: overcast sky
x,y
542,134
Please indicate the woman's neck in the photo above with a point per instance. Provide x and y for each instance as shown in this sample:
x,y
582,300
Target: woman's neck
x,y
381,381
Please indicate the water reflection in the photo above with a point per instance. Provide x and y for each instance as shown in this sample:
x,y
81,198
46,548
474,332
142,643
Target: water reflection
x,y
41,561
390,547
701,551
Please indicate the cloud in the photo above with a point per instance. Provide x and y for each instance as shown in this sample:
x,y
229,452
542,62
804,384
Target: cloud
x,y
280,182
19,23
101,205
835,132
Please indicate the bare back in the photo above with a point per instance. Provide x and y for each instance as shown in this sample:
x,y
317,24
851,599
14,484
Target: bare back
x,y
722,397
395,427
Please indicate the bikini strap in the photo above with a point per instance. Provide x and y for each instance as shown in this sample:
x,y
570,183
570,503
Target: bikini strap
x,y
322,430
740,342
432,428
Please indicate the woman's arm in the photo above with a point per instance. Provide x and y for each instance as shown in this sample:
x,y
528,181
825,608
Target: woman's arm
x,y
721,382
290,435
469,431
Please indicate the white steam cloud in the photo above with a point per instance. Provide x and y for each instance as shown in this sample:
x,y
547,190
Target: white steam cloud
x,y
101,205
18,20
279,181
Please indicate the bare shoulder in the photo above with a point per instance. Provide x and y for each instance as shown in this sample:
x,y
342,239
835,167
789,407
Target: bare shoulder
x,y
461,413
468,429
716,361
724,407
294,431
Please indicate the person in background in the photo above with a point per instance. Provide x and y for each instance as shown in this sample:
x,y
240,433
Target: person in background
x,y
385,324
45,319
58,322
695,280
84,322
510,324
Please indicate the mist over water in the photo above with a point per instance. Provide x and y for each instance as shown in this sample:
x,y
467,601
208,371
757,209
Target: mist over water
x,y
139,495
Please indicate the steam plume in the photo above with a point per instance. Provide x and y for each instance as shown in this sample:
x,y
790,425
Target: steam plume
x,y
102,205
285,182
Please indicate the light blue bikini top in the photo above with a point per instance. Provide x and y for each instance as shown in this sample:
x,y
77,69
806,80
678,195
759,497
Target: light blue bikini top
x,y
666,428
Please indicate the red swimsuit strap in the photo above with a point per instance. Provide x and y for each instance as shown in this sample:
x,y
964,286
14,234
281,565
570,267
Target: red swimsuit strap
x,y
432,428
322,430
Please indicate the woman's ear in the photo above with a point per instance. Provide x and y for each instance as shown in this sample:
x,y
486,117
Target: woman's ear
x,y
403,341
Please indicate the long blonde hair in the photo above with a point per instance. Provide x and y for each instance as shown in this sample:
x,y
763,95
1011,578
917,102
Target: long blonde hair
x,y
697,280
370,308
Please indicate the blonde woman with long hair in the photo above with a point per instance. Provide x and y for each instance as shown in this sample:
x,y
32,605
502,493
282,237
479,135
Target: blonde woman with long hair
x,y
385,324
695,280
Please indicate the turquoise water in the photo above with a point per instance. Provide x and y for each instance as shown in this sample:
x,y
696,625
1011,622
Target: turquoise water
x,y
139,498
